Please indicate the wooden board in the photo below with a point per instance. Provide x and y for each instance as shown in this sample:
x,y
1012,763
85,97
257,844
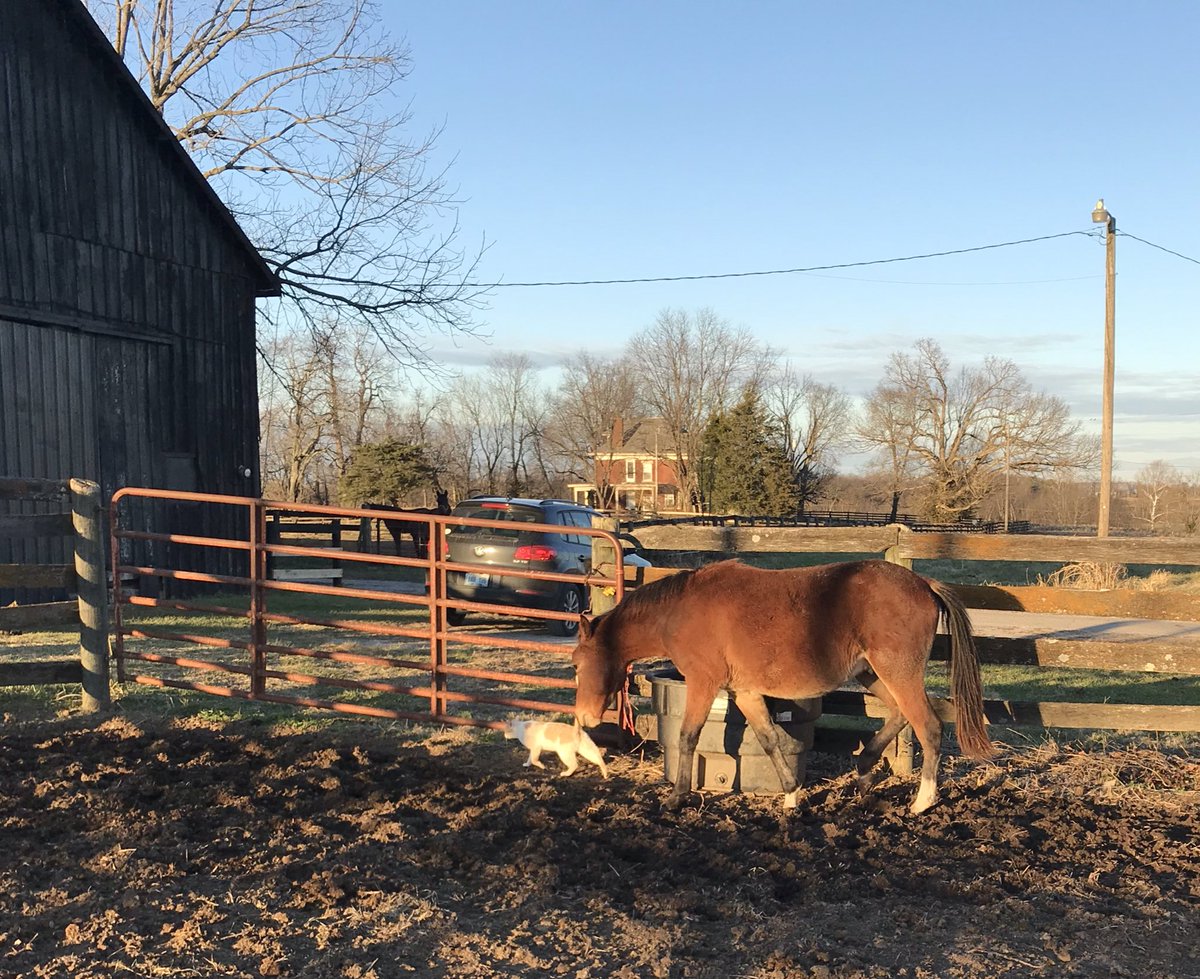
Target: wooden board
x,y
305,574
52,490
41,673
37,525
1111,717
1177,655
1126,603
909,544
26,618
1166,551
37,576
731,540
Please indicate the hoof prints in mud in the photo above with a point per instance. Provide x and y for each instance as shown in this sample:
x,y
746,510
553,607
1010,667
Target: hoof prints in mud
x,y
229,851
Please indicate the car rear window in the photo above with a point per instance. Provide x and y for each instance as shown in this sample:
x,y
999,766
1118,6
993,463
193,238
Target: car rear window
x,y
507,517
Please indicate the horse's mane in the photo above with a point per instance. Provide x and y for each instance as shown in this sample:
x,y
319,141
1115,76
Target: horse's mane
x,y
649,598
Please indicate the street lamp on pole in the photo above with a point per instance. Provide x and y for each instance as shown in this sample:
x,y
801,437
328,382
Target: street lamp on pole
x,y
1100,215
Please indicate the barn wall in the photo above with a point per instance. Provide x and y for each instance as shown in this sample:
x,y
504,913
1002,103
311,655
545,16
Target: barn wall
x,y
127,300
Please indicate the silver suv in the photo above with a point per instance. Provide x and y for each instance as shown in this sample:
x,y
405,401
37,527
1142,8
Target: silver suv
x,y
507,550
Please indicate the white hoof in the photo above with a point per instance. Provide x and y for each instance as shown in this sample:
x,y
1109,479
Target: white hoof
x,y
926,798
791,799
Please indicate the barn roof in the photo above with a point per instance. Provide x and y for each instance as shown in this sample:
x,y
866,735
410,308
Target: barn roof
x,y
267,282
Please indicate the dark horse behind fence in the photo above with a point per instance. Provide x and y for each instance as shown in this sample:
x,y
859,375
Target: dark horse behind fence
x,y
418,530
791,634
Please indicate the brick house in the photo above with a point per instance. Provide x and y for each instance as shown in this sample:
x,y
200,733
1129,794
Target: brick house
x,y
634,470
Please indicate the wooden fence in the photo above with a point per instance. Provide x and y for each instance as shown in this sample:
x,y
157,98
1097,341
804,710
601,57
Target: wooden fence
x,y
286,528
832,518
1164,640
87,577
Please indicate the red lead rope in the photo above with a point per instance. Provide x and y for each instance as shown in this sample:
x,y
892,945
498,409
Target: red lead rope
x,y
625,704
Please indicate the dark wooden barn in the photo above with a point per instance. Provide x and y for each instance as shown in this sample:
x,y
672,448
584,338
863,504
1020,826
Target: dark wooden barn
x,y
127,290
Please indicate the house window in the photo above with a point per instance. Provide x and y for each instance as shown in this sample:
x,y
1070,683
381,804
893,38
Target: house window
x,y
630,470
647,470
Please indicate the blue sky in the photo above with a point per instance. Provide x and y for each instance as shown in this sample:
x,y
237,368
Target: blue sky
x,y
653,139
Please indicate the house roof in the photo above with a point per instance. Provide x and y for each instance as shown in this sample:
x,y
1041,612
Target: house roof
x,y
641,437
267,281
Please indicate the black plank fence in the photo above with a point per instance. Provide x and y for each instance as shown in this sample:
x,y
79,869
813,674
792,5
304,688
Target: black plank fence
x,y
86,577
834,518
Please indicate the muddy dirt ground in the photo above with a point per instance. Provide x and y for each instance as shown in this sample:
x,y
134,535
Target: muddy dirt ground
x,y
201,848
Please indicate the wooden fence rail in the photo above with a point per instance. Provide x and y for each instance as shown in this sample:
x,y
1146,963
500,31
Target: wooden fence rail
x,y
87,577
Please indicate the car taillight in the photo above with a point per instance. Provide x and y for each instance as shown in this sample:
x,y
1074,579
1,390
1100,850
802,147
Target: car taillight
x,y
533,552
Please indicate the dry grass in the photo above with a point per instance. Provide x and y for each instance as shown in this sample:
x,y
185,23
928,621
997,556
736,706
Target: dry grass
x,y
1096,576
1111,767
1087,576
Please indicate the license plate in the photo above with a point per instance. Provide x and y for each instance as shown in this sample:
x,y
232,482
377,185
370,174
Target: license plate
x,y
478,580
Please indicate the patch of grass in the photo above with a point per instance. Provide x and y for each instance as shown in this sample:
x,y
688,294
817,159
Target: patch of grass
x,y
1054,684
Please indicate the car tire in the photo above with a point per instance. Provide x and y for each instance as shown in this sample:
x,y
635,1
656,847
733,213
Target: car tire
x,y
455,616
570,599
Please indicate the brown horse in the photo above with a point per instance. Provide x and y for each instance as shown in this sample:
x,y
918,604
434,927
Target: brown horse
x,y
418,530
790,634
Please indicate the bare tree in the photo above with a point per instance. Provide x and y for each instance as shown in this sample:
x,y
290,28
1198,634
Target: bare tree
x,y
593,393
1158,488
1065,501
295,417
887,426
520,413
472,442
288,107
355,390
491,428
961,432
814,421
688,367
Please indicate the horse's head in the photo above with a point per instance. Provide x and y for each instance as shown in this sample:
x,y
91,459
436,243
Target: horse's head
x,y
443,501
599,673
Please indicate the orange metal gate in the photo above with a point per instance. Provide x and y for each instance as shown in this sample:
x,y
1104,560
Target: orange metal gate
x,y
373,645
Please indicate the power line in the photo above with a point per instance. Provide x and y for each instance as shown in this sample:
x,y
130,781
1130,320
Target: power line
x,y
741,275
920,282
1186,258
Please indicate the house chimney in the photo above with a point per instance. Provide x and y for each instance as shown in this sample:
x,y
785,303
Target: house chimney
x,y
618,433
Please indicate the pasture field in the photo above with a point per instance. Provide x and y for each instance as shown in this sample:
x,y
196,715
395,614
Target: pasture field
x,y
188,835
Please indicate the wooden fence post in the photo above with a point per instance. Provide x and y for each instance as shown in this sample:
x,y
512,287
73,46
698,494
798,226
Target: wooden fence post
x,y
901,753
91,572
604,561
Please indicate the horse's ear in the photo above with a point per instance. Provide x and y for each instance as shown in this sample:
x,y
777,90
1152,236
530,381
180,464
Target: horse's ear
x,y
585,627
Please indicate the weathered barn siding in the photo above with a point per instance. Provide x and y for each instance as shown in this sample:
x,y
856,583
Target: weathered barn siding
x,y
127,292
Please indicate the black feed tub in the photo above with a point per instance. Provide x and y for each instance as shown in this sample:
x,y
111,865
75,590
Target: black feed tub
x,y
728,755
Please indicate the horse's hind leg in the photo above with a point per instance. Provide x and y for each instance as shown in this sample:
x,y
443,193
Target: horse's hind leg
x,y
755,709
913,703
873,750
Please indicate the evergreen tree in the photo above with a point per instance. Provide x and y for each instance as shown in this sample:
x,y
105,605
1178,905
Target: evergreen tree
x,y
744,467
384,472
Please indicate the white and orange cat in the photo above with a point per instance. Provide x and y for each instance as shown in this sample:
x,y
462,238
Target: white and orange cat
x,y
569,741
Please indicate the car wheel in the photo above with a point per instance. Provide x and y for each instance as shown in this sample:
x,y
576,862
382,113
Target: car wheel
x,y
570,600
455,616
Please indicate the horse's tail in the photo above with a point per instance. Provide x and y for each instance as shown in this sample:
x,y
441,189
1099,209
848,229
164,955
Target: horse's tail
x,y
966,687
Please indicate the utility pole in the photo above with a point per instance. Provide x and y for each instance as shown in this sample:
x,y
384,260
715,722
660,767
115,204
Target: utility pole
x,y
1101,216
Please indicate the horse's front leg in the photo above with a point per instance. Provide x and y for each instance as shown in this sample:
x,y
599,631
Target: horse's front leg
x,y
697,704
755,708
